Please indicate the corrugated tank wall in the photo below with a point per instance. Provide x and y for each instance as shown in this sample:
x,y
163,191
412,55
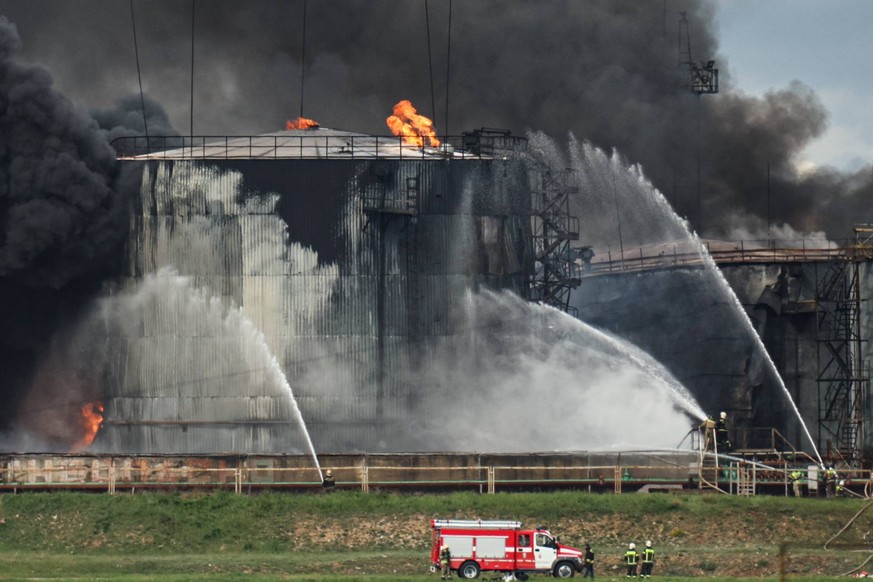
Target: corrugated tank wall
x,y
243,273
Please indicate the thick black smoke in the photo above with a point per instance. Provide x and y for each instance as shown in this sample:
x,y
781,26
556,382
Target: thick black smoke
x,y
125,118
62,214
605,70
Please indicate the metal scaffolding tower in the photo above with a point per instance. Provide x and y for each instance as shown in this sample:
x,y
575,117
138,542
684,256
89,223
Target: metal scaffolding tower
x,y
704,77
843,380
703,81
556,273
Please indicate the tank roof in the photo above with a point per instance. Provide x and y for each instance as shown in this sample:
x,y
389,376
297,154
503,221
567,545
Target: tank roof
x,y
312,143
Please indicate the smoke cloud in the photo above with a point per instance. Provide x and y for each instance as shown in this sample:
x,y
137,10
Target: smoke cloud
x,y
125,119
605,70
62,214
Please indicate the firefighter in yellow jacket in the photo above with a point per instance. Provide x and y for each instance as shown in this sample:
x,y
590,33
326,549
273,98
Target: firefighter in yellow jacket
x,y
648,560
796,477
630,559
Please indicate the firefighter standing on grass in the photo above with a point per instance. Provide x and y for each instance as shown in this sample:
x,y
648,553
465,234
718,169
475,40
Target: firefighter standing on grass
x,y
588,562
830,480
445,563
328,483
630,559
648,560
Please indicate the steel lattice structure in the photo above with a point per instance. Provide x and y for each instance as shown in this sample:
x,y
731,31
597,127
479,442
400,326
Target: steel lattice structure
x,y
556,272
843,381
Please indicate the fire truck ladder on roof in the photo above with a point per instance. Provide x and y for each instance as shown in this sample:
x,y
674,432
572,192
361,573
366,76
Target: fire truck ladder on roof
x,y
476,524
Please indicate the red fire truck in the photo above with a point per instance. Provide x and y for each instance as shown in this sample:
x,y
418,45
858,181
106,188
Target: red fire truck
x,y
502,546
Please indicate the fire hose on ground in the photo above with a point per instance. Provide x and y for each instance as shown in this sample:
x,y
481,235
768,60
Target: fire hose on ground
x,y
868,494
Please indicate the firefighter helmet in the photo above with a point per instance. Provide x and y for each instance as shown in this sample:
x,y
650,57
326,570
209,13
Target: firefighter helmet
x,y
649,544
631,546
329,473
723,415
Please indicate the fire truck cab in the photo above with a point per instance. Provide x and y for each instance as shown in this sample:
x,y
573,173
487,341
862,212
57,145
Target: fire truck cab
x,y
501,546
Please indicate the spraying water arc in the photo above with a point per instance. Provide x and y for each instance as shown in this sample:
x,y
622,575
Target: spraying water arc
x,y
216,369
653,220
759,344
637,358
295,410
573,382
237,320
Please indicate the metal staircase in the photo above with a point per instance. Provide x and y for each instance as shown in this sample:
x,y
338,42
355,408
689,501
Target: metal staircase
x,y
842,378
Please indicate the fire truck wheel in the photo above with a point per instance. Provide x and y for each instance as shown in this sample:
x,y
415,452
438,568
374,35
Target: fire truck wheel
x,y
521,576
564,570
469,570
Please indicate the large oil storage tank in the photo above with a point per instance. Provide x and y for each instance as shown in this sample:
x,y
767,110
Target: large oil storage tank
x,y
809,302
317,261
339,267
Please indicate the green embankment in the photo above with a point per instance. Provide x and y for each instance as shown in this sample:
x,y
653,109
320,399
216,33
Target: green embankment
x,y
378,536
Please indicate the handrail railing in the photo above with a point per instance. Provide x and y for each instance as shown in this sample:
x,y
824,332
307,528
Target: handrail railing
x,y
242,474
316,145
683,255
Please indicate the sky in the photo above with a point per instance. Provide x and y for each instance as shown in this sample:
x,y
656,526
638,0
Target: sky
x,y
826,45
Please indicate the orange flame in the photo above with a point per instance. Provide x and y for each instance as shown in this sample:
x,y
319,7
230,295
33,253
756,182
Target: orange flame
x,y
415,129
91,421
301,123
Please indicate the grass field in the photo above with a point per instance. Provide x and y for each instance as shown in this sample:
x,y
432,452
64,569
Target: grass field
x,y
379,536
